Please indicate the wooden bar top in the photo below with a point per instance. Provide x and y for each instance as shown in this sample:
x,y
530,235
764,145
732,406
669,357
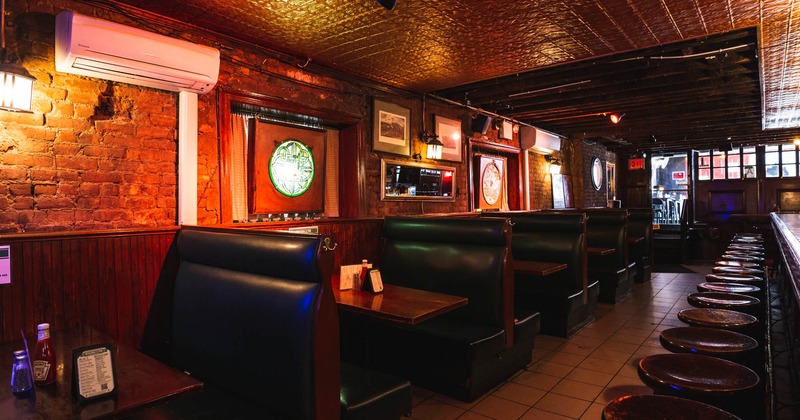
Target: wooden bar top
x,y
593,250
396,303
538,268
141,382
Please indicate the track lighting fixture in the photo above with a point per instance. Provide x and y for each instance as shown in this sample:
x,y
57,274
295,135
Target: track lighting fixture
x,y
615,118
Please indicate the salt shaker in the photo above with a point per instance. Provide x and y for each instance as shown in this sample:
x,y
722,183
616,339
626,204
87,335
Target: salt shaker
x,y
21,378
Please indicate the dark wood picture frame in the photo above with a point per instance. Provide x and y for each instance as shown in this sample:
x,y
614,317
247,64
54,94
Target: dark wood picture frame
x,y
391,127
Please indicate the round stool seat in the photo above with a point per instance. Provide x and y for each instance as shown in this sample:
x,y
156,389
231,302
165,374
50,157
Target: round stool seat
x,y
747,247
721,300
743,258
744,289
636,407
747,240
718,318
749,252
725,384
734,278
738,270
728,345
736,263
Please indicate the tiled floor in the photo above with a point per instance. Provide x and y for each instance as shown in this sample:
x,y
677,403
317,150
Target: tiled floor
x,y
574,378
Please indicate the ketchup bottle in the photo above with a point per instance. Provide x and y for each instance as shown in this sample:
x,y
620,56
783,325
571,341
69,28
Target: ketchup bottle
x,y
44,357
363,276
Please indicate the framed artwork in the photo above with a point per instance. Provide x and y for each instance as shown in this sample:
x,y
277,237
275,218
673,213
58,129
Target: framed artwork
x,y
390,128
449,132
562,191
558,192
597,173
286,169
490,183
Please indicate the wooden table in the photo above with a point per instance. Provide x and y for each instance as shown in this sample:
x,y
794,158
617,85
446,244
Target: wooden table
x,y
396,304
537,268
593,250
141,382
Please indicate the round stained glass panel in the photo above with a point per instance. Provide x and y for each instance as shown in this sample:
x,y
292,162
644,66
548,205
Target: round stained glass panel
x,y
291,168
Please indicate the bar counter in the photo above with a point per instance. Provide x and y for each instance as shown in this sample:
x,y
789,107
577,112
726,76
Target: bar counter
x,y
787,234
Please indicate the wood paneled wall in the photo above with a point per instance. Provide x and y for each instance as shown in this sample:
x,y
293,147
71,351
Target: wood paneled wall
x,y
355,239
102,279
107,279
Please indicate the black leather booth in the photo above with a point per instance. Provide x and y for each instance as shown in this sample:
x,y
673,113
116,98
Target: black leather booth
x,y
254,318
640,225
565,299
608,228
467,351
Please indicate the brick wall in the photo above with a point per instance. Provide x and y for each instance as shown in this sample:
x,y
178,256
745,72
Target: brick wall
x,y
93,154
592,197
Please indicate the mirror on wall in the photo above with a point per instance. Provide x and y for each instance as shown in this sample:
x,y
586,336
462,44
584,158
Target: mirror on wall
x,y
417,181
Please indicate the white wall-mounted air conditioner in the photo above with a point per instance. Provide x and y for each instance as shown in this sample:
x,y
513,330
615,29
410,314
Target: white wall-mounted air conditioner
x,y
106,50
538,140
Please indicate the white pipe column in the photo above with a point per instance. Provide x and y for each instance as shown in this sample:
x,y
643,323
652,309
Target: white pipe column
x,y
526,179
187,158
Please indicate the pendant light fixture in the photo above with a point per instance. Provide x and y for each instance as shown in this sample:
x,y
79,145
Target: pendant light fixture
x,y
16,84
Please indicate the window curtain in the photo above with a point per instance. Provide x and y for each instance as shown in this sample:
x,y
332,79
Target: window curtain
x,y
239,167
332,174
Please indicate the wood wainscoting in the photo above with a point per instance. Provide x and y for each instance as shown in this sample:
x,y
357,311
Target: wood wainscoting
x,y
102,279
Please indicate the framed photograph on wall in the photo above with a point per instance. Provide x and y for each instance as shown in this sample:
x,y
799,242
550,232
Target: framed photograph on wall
x,y
449,132
390,128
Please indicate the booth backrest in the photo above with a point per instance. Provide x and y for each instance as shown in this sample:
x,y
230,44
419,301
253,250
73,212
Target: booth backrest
x,y
556,237
457,256
254,315
608,228
640,224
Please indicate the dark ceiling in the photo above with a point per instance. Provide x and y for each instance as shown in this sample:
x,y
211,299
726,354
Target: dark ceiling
x,y
553,64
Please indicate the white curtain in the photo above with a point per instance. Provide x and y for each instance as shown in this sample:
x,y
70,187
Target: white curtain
x,y
239,167
332,174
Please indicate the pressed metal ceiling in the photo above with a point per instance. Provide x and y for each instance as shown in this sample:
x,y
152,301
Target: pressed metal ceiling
x,y
431,45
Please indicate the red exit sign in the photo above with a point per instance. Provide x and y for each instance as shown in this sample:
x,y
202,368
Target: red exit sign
x,y
635,164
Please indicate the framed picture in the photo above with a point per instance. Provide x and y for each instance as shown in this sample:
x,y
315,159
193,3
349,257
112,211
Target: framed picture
x,y
449,132
390,128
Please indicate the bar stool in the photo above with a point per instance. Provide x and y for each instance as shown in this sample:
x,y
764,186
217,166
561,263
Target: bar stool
x,y
731,301
721,318
748,252
738,270
711,380
747,240
636,407
735,278
746,247
744,289
728,345
743,258
736,263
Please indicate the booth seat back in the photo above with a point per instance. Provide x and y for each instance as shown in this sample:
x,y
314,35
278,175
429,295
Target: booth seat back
x,y
457,256
608,228
551,237
640,224
253,314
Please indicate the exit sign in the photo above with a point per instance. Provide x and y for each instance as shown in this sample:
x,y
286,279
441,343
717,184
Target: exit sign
x,y
635,164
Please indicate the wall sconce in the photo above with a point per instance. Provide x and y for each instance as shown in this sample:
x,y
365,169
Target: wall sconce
x,y
433,143
555,164
16,84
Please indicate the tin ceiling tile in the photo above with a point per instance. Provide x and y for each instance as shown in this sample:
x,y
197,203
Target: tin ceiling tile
x,y
430,45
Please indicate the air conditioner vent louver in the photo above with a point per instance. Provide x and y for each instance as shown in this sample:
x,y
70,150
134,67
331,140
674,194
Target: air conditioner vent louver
x,y
106,50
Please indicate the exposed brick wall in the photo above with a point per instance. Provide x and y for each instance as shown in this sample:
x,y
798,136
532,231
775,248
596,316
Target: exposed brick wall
x,y
93,155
